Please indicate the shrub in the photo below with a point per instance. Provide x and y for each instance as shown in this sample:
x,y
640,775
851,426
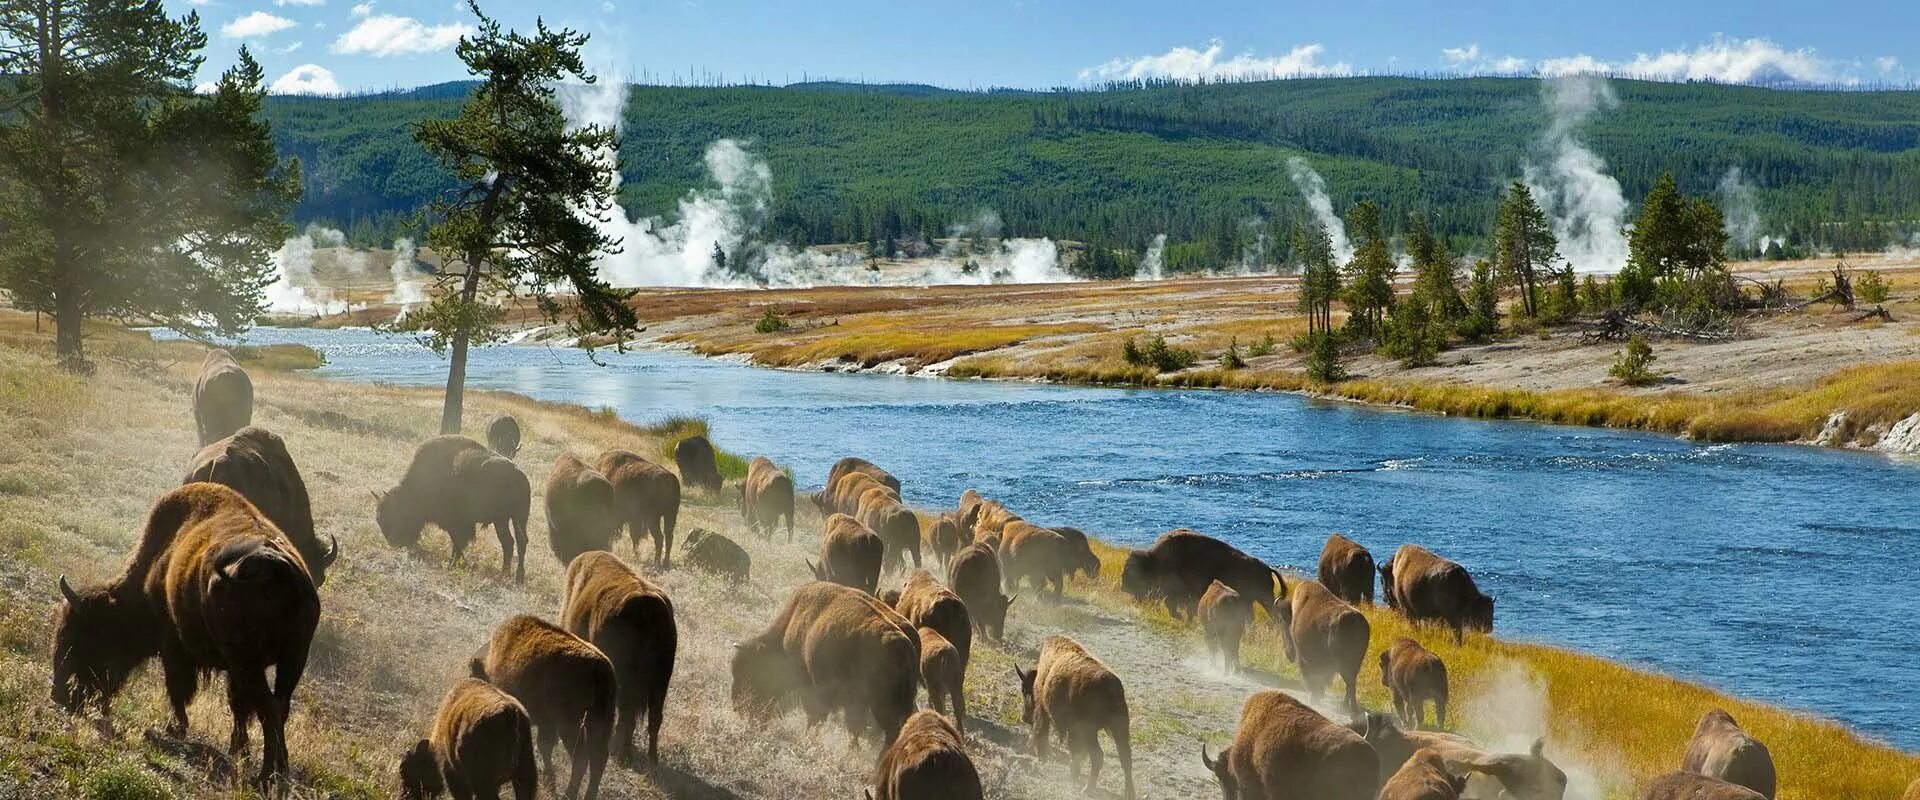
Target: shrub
x,y
1264,347
1323,359
1231,359
1871,287
1157,354
1634,365
770,322
126,781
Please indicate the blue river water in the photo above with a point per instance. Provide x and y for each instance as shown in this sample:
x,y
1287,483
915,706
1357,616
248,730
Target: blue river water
x,y
1781,573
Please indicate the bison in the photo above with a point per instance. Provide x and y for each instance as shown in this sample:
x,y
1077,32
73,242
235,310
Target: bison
x,y
924,602
212,586
1284,750
1693,786
1326,637
482,738
1224,617
881,511
850,554
717,554
567,686
988,516
503,435
647,499
851,465
699,467
1080,557
1034,554
1531,776
843,494
458,485
1413,675
974,575
832,648
943,671
631,620
1721,749
222,397
1394,745
946,536
1424,586
255,463
580,512
1423,777
927,762
1346,569
765,497
1181,564
1075,692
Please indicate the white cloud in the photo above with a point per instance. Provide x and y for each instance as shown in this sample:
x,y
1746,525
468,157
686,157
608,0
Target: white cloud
x,y
1722,59
256,24
1461,55
290,49
1471,59
1887,63
1508,65
1190,64
299,2
306,79
389,35
361,10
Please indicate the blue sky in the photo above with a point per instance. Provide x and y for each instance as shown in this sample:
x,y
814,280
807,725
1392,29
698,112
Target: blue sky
x,y
327,46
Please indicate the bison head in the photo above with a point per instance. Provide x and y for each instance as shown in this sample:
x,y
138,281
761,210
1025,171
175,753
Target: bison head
x,y
400,521
1526,777
1136,577
1480,614
1386,585
1026,692
420,773
993,614
1223,775
99,638
762,678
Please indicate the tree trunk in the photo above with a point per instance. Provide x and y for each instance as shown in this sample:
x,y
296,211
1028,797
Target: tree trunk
x,y
456,396
68,322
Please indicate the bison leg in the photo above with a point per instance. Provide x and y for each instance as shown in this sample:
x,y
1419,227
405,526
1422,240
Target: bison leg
x,y
526,775
1352,680
459,538
576,745
666,534
789,525
632,703
240,703
1440,711
1040,722
1123,749
183,682
548,738
1088,741
503,530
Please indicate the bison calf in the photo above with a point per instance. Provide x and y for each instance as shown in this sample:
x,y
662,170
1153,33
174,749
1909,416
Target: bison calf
x,y
1423,777
255,463
567,687
1414,676
946,536
765,497
1346,569
927,762
222,397
717,554
1326,637
458,485
646,498
1224,617
943,671
1693,786
1721,749
580,512
631,620
974,575
1282,748
481,739
1075,692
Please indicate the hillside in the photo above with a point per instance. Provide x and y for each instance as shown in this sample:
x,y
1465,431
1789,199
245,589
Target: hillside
x,y
1203,164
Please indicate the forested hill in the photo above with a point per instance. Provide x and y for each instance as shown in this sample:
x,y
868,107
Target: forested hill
x,y
1205,164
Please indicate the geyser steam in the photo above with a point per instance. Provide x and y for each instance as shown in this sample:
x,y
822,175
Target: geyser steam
x,y
1315,189
1572,186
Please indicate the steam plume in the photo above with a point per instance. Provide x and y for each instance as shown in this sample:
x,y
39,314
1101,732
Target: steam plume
x,y
1572,186
1315,189
1153,265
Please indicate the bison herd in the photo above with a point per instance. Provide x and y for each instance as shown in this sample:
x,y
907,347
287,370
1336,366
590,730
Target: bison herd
x,y
225,578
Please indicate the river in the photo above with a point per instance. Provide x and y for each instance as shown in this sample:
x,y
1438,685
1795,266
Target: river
x,y
1781,573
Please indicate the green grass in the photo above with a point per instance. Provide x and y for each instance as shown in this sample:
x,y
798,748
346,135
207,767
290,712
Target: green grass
x,y
674,430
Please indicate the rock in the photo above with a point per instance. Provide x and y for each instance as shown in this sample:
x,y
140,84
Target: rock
x,y
1903,438
1830,433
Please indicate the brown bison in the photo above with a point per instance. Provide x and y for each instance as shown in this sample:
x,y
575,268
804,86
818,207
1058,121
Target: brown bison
x,y
1326,637
631,620
988,516
1529,776
844,493
1693,786
503,435
699,467
1072,691
255,463
717,554
832,648
458,485
1912,792
646,496
1181,564
481,739
881,511
850,554
926,603
1394,744
927,762
567,687
765,497
1346,569
1284,750
1423,777
1080,557
851,465
1413,675
212,586
1424,586
580,513
1721,749
1034,554
946,536
1224,617
943,671
222,397
975,576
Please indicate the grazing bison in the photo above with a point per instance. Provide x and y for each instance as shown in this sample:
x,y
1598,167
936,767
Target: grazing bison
x,y
850,554
567,686
717,554
255,463
1721,749
1693,786
631,620
926,603
580,512
1080,557
1346,569
1284,750
1224,617
699,468
458,485
1326,637
647,499
927,762
975,576
765,497
1181,564
1071,690
943,671
851,465
1414,675
222,397
212,586
1424,586
832,648
1034,554
881,511
481,739
946,536
1423,777
503,435
1531,776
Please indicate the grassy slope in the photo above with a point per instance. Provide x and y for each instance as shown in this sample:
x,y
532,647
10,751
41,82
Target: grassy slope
x,y
81,460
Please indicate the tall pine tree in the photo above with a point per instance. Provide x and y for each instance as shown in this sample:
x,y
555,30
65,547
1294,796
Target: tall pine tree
x,y
1524,247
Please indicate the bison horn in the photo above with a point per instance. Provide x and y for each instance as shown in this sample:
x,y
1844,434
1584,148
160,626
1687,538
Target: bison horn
x,y
332,552
1539,746
225,570
1204,759
67,591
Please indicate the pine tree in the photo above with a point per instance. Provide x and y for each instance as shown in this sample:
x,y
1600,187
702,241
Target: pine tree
x,y
1369,288
1524,246
1675,238
1483,303
1436,280
1319,277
